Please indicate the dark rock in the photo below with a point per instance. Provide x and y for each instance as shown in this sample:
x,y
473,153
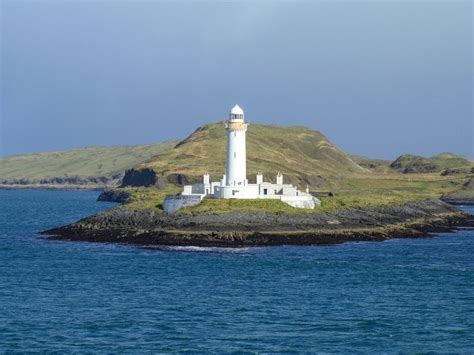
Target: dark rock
x,y
114,195
322,193
96,181
469,185
452,171
459,199
409,164
177,179
139,177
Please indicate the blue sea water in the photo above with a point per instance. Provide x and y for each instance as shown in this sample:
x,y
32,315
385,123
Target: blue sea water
x,y
403,295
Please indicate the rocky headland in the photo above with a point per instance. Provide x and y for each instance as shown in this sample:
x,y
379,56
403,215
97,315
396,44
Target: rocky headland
x,y
464,196
241,229
460,199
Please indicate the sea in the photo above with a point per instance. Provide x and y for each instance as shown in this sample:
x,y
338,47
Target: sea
x,y
397,296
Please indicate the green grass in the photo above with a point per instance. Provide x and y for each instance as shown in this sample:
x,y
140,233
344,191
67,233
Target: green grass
x,y
450,160
148,198
233,205
328,204
84,162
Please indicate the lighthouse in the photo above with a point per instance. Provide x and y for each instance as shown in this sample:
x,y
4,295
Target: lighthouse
x,y
234,183
236,163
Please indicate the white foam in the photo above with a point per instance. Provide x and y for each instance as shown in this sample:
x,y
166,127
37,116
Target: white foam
x,y
198,249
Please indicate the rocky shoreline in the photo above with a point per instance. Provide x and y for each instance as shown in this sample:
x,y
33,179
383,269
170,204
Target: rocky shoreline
x,y
51,187
460,200
147,227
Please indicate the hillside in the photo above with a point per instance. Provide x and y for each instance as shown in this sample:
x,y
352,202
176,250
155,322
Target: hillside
x,y
303,155
379,165
77,166
447,163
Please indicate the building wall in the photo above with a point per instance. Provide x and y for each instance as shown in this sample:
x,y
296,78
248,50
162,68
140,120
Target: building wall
x,y
286,193
278,189
247,191
236,164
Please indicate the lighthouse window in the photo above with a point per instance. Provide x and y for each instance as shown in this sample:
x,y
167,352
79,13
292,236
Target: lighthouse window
x,y
235,155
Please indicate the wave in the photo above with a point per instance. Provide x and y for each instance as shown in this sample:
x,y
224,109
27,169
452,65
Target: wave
x,y
197,249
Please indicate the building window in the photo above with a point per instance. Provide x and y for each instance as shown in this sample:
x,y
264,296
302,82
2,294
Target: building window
x,y
235,155
265,191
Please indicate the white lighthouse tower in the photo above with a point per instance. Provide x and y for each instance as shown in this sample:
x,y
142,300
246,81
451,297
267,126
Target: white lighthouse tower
x,y
236,164
234,183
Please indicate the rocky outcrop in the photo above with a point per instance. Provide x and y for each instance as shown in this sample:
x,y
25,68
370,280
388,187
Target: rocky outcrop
x,y
114,195
453,171
469,185
151,227
140,177
409,164
465,196
177,179
459,199
64,181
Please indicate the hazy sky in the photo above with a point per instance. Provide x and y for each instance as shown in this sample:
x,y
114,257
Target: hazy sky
x,y
378,78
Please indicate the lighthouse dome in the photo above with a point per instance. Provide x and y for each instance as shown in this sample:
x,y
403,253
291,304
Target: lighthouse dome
x,y
237,110
236,113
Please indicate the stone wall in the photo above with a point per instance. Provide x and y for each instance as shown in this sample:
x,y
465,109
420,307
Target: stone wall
x,y
174,203
301,201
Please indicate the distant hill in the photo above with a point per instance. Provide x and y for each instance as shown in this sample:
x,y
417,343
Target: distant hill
x,y
446,163
77,166
303,155
379,165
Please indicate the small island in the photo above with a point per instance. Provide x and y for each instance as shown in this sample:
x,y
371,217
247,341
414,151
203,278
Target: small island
x,y
251,225
370,204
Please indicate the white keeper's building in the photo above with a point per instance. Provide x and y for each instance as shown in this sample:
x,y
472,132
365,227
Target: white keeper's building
x,y
234,184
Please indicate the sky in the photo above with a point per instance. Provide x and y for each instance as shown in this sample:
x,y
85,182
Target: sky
x,y
377,78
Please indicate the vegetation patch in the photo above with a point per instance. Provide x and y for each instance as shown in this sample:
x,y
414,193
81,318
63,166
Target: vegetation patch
x,y
79,163
247,205
328,204
148,198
